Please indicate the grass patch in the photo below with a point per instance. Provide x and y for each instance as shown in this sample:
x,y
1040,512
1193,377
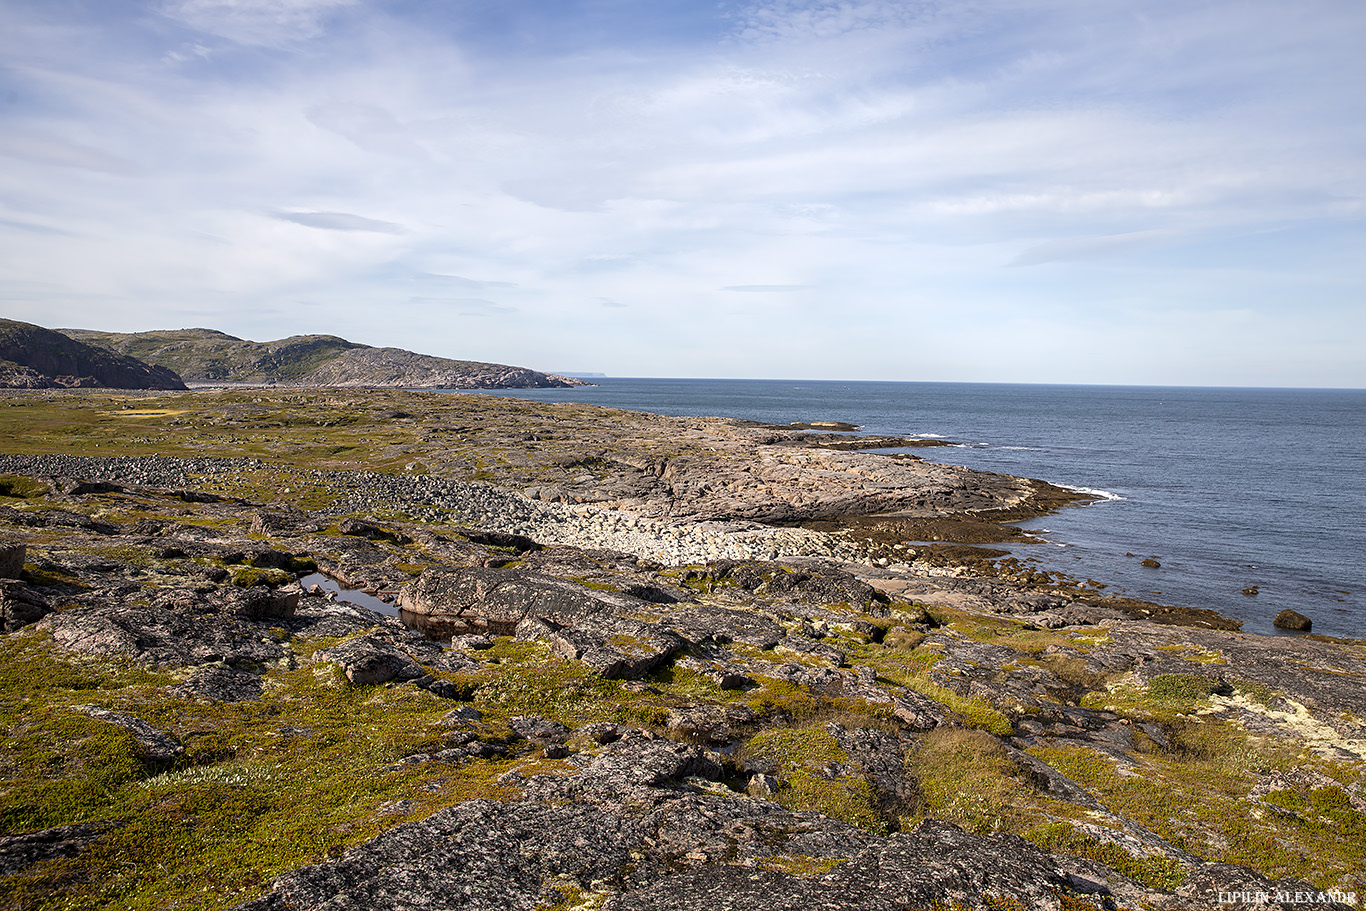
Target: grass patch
x,y
803,758
1155,871
264,787
967,777
1194,797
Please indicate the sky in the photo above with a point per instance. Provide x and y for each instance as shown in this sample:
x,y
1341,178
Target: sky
x,y
1152,192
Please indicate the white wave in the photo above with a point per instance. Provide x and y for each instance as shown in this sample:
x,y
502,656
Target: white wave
x,y
1022,448
1093,492
927,436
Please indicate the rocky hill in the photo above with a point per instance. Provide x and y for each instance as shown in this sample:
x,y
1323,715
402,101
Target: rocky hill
x,y
209,357
32,357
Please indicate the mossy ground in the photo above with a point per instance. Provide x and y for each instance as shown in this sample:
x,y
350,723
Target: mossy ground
x,y
1193,791
263,787
310,769
458,436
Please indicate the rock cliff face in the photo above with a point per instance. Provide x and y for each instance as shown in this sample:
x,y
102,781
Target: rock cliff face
x,y
32,357
206,356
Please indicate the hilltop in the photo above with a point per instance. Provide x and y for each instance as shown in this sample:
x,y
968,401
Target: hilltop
x,y
32,357
210,357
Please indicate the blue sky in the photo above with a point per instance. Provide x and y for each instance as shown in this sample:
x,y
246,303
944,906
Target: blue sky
x,y
1076,191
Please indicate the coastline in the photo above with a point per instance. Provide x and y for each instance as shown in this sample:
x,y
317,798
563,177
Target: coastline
x,y
687,651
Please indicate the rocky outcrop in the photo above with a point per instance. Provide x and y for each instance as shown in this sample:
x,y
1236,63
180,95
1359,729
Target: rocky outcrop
x,y
32,357
733,731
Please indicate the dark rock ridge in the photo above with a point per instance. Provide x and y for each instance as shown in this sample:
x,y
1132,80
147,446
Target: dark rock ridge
x,y
206,356
32,357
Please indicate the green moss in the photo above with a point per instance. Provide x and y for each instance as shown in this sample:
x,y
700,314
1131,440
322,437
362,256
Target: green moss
x,y
803,757
801,865
1155,871
1258,693
564,691
1194,797
247,576
967,777
264,786
1166,698
21,488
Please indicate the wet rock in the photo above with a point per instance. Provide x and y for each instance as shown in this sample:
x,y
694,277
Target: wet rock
x,y
1292,620
158,749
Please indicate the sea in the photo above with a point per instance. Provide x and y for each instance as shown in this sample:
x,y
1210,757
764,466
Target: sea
x,y
1228,489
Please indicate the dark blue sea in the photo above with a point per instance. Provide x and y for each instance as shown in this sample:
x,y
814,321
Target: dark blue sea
x,y
1227,488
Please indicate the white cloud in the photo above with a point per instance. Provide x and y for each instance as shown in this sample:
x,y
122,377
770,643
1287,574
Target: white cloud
x,y
268,23
51,150
340,221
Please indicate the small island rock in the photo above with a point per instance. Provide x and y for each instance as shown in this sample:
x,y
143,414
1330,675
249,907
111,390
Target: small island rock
x,y
1292,620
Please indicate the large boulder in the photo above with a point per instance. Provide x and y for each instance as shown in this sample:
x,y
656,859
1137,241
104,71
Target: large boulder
x,y
372,659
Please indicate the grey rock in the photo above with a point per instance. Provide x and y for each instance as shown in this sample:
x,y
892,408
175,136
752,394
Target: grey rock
x,y
157,634
371,660
221,684
538,729
370,530
20,852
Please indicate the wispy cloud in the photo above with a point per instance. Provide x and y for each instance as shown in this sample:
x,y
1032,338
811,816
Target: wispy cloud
x,y
269,23
340,221
766,289
1083,249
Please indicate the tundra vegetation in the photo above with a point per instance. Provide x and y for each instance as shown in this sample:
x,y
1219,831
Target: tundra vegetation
x,y
187,726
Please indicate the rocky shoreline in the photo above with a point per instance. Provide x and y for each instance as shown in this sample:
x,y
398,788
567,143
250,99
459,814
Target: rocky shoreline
x,y
629,694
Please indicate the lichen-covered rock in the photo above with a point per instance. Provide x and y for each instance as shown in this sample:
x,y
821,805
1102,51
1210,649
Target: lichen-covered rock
x,y
221,684
20,852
